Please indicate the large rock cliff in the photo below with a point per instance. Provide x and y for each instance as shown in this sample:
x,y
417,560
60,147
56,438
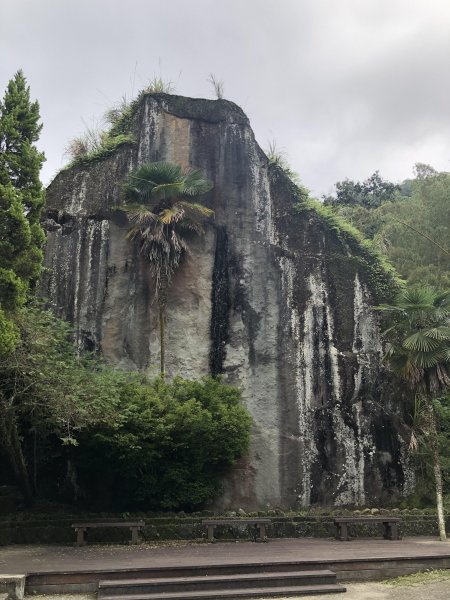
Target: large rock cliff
x,y
273,297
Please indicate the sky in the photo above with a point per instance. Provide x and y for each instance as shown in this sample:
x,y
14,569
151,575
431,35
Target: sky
x,y
342,87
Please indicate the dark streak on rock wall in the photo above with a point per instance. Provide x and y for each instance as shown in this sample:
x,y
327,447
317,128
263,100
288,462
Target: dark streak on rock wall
x,y
220,303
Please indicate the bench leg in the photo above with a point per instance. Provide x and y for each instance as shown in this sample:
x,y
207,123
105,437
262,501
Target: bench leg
x,y
395,534
81,538
391,531
262,533
342,532
210,533
134,535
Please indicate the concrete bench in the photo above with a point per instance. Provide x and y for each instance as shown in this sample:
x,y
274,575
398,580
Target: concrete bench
x,y
257,523
82,528
390,526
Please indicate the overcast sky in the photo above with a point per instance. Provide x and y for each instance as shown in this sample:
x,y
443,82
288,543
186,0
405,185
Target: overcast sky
x,y
344,87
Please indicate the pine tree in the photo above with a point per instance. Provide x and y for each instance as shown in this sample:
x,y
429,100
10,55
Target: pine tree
x,y
21,201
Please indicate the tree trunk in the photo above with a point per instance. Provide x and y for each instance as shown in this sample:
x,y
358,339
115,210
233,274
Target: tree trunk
x,y
10,441
162,331
436,468
162,302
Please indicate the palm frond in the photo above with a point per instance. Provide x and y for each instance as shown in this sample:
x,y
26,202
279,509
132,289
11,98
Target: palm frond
x,y
197,210
194,184
139,215
167,191
171,215
427,360
159,217
157,172
420,342
441,332
192,225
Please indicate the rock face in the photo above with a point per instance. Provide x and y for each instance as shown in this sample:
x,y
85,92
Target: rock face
x,y
271,297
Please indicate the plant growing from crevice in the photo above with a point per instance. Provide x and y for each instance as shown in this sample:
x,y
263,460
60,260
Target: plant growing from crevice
x,y
277,157
158,85
217,85
162,215
97,142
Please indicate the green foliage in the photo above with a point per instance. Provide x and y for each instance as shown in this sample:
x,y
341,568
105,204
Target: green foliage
x,y
168,447
158,85
405,227
277,158
419,350
421,451
425,577
379,273
370,193
47,393
20,161
162,217
160,214
9,336
83,154
46,378
442,410
121,118
21,202
132,442
96,144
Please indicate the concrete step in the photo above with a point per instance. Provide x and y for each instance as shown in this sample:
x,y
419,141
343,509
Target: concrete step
x,y
255,592
13,586
221,582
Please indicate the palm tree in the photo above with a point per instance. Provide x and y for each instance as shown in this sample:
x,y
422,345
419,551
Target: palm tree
x,y
161,214
419,352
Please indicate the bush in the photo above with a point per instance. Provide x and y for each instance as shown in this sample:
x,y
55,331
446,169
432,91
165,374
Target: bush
x,y
168,449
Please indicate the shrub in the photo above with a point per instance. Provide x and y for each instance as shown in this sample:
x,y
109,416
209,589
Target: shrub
x,y
169,447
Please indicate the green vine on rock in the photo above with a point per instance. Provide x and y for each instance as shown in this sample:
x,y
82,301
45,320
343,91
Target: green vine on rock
x,y
379,273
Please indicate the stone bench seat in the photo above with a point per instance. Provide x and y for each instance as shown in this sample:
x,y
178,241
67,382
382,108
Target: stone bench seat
x,y
391,530
257,523
82,529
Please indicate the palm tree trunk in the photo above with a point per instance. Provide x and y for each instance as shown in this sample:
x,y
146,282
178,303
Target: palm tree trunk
x,y
162,302
436,469
162,331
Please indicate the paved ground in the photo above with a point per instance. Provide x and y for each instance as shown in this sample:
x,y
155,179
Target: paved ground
x,y
355,591
26,559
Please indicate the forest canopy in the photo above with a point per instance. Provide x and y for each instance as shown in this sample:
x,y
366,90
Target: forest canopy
x,y
403,221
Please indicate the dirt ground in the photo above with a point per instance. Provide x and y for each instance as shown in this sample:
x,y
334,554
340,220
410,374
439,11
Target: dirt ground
x,y
380,591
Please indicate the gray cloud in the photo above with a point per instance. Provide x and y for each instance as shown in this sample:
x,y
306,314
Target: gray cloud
x,y
344,87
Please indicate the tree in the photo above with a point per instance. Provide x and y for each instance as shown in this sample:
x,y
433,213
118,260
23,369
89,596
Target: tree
x,y
168,447
420,353
21,202
370,193
161,216
47,390
411,228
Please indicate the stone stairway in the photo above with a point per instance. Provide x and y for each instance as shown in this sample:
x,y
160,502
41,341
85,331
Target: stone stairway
x,y
228,586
